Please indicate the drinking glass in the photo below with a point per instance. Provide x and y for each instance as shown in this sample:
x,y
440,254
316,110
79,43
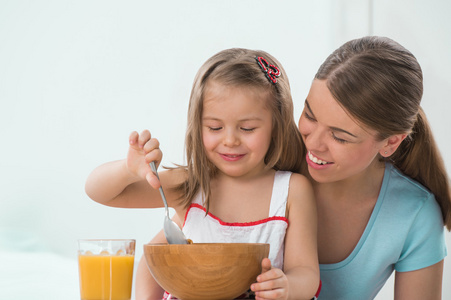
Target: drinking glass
x,y
106,268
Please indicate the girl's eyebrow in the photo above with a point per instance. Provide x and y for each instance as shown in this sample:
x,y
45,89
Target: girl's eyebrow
x,y
252,118
333,128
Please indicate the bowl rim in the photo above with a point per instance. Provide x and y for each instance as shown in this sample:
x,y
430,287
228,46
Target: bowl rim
x,y
203,244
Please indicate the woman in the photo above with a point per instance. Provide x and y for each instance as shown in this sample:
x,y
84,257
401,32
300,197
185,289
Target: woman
x,y
381,186
375,169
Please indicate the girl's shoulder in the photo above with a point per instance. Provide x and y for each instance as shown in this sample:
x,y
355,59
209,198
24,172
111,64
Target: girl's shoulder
x,y
300,191
172,180
300,184
174,176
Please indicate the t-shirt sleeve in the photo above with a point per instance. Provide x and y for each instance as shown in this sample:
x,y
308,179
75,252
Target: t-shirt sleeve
x,y
425,243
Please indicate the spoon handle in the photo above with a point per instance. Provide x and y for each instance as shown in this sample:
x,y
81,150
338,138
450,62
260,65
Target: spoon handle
x,y
154,170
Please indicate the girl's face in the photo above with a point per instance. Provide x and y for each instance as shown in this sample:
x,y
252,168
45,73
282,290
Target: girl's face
x,y
236,129
338,147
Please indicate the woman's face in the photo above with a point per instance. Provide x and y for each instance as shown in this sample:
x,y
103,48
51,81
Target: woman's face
x,y
338,147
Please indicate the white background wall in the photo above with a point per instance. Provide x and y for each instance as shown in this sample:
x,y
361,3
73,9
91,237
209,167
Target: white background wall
x,y
76,77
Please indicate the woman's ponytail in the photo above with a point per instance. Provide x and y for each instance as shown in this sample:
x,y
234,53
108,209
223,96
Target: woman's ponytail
x,y
419,158
380,84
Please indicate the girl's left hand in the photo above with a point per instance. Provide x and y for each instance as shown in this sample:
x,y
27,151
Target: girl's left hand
x,y
271,283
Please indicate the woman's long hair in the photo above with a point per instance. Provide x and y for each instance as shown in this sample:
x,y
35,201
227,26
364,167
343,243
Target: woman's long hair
x,y
380,83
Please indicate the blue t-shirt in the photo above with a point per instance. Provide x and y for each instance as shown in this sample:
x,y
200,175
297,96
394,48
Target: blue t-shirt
x,y
405,233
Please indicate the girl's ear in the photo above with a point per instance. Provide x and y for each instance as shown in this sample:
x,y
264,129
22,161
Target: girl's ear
x,y
392,143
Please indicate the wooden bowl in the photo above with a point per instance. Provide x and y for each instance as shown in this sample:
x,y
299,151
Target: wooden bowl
x,y
205,271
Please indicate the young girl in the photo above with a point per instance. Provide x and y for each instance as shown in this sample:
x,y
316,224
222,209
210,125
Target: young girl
x,y
242,145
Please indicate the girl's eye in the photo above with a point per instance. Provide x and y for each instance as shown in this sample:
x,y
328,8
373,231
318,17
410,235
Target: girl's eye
x,y
247,129
341,141
214,128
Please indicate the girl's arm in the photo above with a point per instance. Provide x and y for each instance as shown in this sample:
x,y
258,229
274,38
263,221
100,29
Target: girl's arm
x,y
146,288
131,182
300,276
420,284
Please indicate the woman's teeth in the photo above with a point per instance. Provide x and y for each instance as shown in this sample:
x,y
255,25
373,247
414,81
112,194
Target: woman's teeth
x,y
316,160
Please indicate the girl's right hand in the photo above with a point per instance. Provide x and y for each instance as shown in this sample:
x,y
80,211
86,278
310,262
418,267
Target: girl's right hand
x,y
144,149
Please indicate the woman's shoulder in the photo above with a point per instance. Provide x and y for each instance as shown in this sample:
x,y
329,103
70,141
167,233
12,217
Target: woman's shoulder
x,y
406,186
417,218
409,197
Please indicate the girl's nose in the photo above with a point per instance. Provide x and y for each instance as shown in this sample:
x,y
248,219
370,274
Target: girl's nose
x,y
231,139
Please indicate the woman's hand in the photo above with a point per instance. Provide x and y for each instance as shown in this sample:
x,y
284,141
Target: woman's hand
x,y
271,283
143,149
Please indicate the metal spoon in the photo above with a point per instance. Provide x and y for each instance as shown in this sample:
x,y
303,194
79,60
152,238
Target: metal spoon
x,y
172,231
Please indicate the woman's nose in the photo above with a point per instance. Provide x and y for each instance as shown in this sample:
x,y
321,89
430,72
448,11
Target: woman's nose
x,y
315,140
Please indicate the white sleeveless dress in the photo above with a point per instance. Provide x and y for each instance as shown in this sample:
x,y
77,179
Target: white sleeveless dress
x,y
207,228
202,228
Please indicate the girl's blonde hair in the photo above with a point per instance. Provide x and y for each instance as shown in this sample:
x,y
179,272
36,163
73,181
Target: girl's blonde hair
x,y
239,68
380,83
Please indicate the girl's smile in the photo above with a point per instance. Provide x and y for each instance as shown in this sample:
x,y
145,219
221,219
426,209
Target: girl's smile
x,y
231,157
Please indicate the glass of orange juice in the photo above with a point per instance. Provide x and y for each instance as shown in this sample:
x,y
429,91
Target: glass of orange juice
x,y
106,268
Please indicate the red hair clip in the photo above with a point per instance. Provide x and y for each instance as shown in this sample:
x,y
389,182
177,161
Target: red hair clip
x,y
271,71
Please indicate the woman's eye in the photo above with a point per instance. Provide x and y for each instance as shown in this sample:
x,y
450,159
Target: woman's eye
x,y
309,117
342,141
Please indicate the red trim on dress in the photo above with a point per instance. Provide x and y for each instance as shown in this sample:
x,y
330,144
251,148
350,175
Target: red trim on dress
x,y
319,290
266,220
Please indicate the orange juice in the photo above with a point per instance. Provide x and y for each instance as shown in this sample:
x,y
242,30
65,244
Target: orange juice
x,y
105,277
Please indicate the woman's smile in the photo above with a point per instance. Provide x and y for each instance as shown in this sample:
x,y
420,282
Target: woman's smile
x,y
338,146
317,160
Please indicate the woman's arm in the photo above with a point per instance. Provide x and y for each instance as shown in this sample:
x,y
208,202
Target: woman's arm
x,y
420,284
